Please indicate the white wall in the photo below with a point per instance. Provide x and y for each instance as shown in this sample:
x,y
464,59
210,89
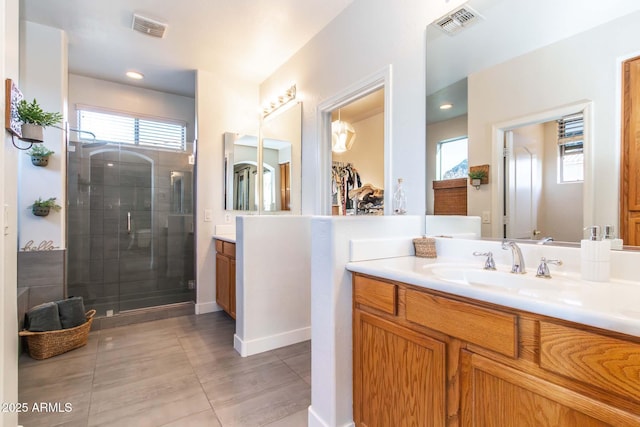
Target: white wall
x,y
540,81
9,36
364,39
367,154
273,282
222,105
128,98
437,132
331,341
43,76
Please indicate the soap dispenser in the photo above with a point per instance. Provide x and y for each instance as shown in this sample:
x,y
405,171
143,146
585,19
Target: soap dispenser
x,y
594,256
610,235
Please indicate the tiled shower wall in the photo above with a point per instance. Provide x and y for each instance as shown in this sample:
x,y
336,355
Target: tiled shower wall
x,y
116,267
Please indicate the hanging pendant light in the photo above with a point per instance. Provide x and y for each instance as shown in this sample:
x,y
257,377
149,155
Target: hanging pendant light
x,y
342,136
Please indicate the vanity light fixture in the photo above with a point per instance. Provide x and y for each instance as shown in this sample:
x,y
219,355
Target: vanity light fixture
x,y
135,75
342,136
446,106
279,102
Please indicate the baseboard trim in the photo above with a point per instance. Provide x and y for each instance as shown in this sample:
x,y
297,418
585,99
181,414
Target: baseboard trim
x,y
207,307
315,420
260,345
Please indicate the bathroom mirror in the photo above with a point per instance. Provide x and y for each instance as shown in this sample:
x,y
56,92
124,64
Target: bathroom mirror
x,y
241,176
278,151
281,148
520,61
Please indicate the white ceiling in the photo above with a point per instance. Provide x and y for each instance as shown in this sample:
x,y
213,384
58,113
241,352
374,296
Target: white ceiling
x,y
244,39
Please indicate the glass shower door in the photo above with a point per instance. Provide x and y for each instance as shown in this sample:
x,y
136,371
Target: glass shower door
x,y
130,227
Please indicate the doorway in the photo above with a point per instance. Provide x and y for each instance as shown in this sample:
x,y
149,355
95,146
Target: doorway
x,y
542,182
357,156
630,161
380,81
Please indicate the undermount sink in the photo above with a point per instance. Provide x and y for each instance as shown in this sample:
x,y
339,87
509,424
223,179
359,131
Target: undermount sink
x,y
502,280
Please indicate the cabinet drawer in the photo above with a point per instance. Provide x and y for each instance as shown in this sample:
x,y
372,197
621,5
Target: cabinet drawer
x,y
376,294
491,329
229,249
608,363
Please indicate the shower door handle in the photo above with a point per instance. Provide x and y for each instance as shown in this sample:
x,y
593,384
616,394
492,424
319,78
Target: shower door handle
x,y
128,222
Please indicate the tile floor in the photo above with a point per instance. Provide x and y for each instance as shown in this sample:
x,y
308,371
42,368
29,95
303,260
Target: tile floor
x,y
177,372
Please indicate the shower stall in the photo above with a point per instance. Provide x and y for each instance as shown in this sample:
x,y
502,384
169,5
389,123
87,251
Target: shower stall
x,y
130,226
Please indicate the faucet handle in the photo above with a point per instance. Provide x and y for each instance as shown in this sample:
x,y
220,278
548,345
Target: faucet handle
x,y
489,264
543,268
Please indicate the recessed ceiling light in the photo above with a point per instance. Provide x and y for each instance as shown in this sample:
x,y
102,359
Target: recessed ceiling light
x,y
135,75
447,106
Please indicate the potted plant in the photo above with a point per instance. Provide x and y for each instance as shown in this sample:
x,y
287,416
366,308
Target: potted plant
x,y
43,207
476,177
34,120
39,155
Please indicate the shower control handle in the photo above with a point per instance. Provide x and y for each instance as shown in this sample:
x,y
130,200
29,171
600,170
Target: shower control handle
x,y
128,222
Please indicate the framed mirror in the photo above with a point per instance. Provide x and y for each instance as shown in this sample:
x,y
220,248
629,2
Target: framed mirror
x,y
277,153
516,66
281,158
241,176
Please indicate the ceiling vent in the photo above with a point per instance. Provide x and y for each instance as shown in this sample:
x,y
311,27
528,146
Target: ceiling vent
x,y
149,26
457,20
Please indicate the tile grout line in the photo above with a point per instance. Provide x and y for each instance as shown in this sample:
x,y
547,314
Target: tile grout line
x,y
93,375
199,381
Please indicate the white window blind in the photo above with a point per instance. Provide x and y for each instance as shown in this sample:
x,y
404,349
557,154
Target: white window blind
x,y
571,148
129,129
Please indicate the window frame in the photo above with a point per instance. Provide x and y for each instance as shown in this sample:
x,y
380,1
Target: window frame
x,y
174,145
570,140
439,144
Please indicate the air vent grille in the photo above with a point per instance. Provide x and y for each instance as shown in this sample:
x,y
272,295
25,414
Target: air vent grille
x,y
460,18
148,26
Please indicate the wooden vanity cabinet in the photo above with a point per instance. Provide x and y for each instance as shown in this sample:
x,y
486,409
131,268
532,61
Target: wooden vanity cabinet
x,y
425,358
226,276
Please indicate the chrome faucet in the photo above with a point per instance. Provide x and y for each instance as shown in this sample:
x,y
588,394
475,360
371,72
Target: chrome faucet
x,y
543,268
489,264
545,240
518,261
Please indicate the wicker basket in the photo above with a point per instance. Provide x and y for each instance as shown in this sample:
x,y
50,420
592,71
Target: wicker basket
x,y
425,247
42,345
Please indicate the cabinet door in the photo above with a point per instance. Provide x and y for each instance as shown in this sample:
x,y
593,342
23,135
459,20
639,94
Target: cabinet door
x,y
232,288
222,281
496,395
398,375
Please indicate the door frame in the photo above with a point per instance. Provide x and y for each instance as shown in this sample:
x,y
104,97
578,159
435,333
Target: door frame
x,y
498,131
378,80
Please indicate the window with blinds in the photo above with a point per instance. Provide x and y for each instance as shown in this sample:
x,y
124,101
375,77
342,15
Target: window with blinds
x,y
571,148
122,128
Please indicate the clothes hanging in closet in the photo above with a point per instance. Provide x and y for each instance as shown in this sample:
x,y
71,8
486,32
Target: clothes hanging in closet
x,y
344,178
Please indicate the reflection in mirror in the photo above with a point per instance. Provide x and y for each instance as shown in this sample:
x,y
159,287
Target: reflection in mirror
x,y
241,165
358,168
181,190
543,179
281,158
276,175
514,66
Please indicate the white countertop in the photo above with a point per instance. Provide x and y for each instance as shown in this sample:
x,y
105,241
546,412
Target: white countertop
x,y
613,305
231,238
